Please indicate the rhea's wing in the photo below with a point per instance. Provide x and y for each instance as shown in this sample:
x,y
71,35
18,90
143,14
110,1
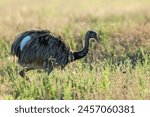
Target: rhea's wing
x,y
45,46
15,48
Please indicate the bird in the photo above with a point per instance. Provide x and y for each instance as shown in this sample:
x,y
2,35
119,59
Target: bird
x,y
41,49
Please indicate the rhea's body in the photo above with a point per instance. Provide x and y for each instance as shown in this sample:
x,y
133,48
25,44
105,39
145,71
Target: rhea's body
x,y
40,49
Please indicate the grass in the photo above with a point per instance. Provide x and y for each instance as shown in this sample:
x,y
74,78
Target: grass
x,y
119,68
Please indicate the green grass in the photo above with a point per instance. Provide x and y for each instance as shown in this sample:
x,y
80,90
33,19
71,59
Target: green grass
x,y
118,68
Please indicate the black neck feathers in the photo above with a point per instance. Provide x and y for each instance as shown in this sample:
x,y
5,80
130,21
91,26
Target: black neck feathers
x,y
84,51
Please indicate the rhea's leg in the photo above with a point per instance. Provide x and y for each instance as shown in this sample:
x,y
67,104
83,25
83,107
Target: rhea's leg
x,y
22,73
49,70
48,67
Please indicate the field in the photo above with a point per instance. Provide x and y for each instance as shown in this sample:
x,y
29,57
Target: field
x,y
118,68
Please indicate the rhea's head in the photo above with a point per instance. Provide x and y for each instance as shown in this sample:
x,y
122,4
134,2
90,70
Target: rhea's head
x,y
91,35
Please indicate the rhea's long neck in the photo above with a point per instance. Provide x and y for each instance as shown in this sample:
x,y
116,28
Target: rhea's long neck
x,y
82,53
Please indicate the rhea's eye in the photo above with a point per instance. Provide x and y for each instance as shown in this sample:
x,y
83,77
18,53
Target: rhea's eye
x,y
94,35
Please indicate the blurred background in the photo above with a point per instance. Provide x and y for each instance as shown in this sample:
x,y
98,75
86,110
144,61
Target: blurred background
x,y
55,15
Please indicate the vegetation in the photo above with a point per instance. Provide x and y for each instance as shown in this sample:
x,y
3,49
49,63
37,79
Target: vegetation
x,y
119,68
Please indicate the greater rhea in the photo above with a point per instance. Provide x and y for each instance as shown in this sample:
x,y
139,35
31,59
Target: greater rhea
x,y
40,49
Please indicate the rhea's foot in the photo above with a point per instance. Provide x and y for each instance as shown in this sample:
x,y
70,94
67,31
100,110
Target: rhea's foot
x,y
23,75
